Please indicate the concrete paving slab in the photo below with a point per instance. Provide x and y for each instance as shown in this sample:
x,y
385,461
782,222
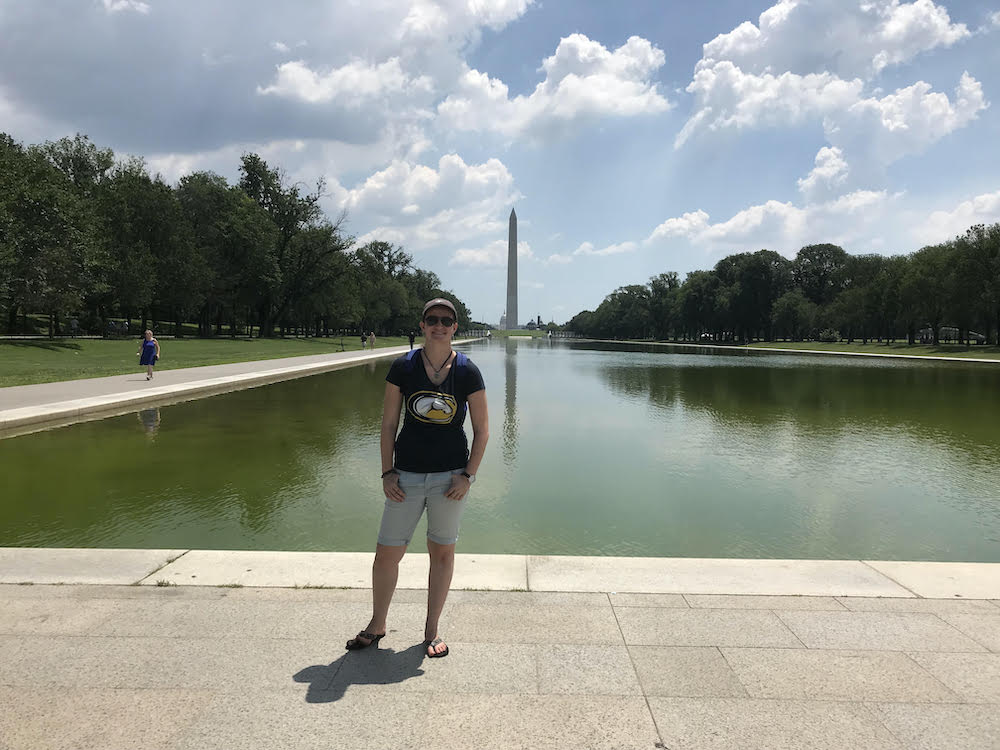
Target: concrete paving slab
x,y
87,719
648,600
717,601
52,616
529,598
318,595
813,674
984,629
975,678
643,626
349,569
567,669
281,719
114,566
935,606
685,671
538,624
944,580
749,724
877,631
159,663
704,576
192,618
339,621
933,727
87,592
524,722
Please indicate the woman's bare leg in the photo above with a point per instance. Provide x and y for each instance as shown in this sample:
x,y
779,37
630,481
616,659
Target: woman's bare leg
x,y
438,584
385,573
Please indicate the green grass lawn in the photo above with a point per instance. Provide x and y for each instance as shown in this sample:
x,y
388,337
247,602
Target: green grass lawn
x,y
920,350
23,362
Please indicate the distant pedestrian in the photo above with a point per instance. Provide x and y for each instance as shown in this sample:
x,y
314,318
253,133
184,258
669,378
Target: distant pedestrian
x,y
413,337
149,352
364,339
372,341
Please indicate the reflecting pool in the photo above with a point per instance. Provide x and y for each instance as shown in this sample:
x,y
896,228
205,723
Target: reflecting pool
x,y
595,450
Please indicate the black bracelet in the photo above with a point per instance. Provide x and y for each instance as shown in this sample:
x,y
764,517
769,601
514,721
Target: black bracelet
x,y
387,473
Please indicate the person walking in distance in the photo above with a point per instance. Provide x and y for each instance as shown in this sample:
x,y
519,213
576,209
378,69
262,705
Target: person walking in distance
x,y
372,339
429,465
149,352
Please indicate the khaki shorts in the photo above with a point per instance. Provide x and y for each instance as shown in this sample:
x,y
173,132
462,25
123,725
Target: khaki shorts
x,y
399,520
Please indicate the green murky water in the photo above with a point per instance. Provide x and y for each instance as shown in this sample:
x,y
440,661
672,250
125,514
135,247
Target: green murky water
x,y
594,450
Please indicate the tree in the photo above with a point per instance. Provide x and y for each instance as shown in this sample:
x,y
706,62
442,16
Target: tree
x,y
817,271
663,290
793,315
925,285
45,245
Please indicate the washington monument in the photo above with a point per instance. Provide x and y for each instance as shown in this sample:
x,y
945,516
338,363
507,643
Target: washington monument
x,y
512,273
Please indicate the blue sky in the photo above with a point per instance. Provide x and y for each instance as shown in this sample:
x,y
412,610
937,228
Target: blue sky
x,y
632,138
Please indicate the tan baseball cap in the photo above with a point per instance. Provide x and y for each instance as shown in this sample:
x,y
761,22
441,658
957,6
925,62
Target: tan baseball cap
x,y
439,302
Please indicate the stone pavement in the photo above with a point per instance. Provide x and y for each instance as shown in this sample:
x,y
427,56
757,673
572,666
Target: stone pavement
x,y
874,655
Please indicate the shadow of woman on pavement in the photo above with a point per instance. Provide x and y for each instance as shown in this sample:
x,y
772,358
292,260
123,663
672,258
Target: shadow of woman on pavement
x,y
370,666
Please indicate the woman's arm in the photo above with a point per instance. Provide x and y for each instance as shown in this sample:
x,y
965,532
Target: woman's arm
x,y
157,348
391,405
480,429
480,436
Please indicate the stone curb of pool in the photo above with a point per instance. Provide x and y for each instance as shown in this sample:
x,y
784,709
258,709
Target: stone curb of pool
x,y
738,348
63,412
526,573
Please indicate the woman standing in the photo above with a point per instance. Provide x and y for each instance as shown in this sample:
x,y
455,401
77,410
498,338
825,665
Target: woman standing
x,y
149,352
429,465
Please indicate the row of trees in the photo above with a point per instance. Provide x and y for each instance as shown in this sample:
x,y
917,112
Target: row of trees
x,y
86,237
824,293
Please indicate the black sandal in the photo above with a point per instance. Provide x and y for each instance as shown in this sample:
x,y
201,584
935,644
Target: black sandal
x,y
355,645
436,642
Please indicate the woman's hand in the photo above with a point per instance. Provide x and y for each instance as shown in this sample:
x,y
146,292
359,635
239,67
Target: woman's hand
x,y
459,487
391,488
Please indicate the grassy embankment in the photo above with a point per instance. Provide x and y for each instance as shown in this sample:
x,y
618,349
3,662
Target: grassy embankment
x,y
917,350
23,362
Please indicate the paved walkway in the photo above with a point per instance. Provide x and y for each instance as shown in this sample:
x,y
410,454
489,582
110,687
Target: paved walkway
x,y
609,653
24,408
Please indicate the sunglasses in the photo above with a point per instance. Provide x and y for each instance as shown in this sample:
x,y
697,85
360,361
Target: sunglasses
x,y
433,320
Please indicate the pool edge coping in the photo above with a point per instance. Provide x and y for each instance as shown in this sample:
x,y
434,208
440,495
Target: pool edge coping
x,y
524,573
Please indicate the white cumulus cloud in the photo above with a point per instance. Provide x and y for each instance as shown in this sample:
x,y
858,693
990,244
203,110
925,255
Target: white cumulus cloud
x,y
583,80
494,254
687,225
782,72
850,38
827,176
728,97
422,207
587,248
350,84
776,225
944,225
116,6
904,122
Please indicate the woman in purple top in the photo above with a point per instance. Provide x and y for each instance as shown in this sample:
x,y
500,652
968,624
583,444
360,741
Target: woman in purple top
x,y
149,352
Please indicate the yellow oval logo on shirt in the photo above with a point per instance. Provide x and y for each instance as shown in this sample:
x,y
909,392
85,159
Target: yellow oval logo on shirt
x,y
432,407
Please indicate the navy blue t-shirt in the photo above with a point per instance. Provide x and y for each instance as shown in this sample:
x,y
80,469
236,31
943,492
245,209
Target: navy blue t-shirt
x,y
432,438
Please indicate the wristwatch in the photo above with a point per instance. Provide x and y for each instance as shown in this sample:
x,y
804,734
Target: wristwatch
x,y
470,477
